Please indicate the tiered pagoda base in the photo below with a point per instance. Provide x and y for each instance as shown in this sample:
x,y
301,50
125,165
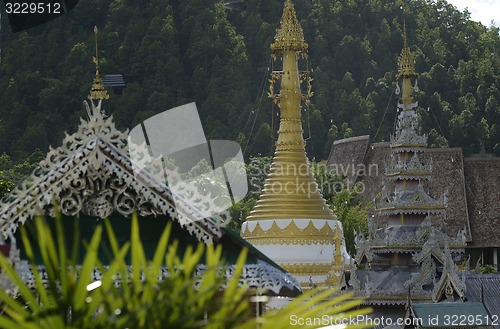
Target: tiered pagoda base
x,y
304,247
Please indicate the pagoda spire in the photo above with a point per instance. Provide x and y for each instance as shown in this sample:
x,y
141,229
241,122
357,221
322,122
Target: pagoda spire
x,y
98,92
406,69
407,127
290,190
289,35
291,222
404,252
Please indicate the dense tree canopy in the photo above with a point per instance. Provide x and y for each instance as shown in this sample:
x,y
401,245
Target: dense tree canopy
x,y
175,52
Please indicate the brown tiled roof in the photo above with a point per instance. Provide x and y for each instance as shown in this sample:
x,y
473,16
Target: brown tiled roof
x,y
482,185
346,154
472,185
376,157
448,175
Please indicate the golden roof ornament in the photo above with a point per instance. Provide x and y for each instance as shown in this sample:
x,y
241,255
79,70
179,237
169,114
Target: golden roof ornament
x,y
406,61
406,72
98,91
290,190
289,35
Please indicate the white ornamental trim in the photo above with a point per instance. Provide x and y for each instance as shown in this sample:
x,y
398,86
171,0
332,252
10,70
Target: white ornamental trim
x,y
91,173
261,276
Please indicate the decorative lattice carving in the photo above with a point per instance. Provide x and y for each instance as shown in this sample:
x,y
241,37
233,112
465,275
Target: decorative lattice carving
x,y
407,135
90,173
261,276
412,169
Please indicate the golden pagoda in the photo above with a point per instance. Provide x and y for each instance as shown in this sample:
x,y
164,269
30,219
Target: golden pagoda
x,y
291,222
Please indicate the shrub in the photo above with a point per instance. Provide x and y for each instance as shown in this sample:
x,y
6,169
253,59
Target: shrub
x,y
68,298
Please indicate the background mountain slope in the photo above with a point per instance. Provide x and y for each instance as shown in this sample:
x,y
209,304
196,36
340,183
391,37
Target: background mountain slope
x,y
175,52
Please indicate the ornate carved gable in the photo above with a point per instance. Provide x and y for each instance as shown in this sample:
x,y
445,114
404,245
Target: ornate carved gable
x,y
406,136
409,202
91,173
363,248
450,285
438,244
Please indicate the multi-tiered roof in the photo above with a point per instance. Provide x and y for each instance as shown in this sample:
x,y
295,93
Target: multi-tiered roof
x,y
406,251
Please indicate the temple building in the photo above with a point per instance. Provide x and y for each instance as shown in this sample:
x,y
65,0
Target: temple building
x,y
408,254
92,176
469,181
291,222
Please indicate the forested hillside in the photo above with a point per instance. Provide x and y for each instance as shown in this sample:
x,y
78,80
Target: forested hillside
x,y
179,51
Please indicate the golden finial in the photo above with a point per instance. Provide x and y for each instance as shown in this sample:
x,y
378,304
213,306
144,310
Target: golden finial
x,y
406,60
289,35
98,91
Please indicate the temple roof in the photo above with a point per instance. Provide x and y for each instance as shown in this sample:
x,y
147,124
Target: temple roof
x,y
484,288
91,173
482,179
347,157
444,313
409,202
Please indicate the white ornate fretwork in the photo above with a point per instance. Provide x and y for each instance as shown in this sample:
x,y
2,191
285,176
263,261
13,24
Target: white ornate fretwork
x,y
90,173
260,276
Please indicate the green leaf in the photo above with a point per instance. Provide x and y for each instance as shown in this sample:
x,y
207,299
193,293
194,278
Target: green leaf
x,y
89,262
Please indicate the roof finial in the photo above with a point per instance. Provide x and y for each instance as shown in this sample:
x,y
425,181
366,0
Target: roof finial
x,y
289,36
98,91
406,60
406,68
405,43
404,23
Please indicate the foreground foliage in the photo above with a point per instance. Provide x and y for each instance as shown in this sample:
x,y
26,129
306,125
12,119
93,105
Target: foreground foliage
x,y
69,299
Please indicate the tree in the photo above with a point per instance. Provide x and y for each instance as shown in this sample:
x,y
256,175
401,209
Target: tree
x,y
436,140
332,136
341,196
352,214
177,52
317,135
5,186
263,141
14,173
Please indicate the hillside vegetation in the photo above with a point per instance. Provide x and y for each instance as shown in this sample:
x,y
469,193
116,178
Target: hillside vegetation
x,y
179,51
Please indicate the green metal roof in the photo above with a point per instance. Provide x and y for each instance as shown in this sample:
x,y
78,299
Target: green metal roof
x,y
453,315
151,229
